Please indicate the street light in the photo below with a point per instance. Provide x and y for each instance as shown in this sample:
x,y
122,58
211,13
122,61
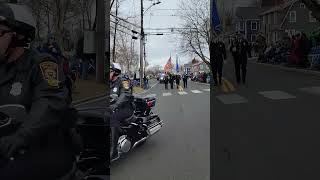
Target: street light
x,y
142,40
153,4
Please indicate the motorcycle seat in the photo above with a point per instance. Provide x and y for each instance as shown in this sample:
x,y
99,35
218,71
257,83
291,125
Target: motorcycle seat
x,y
145,98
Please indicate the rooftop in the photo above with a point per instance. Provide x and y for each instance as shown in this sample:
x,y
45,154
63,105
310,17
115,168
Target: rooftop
x,y
280,7
248,12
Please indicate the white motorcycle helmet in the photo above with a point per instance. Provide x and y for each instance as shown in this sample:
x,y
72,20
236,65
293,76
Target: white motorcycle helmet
x,y
19,19
116,68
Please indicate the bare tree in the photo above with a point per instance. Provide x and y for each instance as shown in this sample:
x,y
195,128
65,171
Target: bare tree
x,y
195,34
196,28
126,56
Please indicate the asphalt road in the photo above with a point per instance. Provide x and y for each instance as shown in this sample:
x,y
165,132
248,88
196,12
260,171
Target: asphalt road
x,y
269,129
181,150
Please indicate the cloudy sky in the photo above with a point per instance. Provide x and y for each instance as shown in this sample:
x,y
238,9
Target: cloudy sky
x,y
163,15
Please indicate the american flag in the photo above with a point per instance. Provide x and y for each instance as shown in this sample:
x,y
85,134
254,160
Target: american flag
x,y
168,66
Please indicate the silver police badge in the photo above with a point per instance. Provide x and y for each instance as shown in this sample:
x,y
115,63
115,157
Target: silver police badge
x,y
115,89
16,89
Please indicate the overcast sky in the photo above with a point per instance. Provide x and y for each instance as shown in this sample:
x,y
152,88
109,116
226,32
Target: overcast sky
x,y
159,48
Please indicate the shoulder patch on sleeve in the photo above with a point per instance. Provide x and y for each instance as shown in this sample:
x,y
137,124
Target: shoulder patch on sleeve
x,y
50,73
125,84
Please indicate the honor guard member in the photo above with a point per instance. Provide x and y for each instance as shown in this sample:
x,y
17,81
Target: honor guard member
x,y
219,54
122,106
35,82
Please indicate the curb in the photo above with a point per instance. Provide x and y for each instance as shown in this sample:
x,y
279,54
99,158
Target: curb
x,y
305,71
87,99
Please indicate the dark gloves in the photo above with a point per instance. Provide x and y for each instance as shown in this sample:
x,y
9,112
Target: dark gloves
x,y
10,145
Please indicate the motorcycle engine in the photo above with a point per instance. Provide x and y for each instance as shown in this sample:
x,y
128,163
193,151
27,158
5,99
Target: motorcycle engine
x,y
124,145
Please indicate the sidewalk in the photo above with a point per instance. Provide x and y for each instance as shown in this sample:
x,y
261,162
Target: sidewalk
x,y
286,68
87,90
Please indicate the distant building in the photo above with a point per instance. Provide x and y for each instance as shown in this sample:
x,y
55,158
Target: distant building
x,y
287,19
199,67
248,22
188,67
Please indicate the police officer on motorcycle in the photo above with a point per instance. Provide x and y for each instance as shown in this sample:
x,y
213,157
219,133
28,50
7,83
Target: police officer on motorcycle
x,y
122,104
36,82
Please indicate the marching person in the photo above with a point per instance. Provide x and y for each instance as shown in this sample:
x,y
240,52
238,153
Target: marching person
x,y
166,81
178,80
239,49
185,81
171,80
219,54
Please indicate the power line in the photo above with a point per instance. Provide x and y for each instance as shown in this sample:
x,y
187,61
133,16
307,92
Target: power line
x,y
122,19
122,31
169,28
175,9
121,25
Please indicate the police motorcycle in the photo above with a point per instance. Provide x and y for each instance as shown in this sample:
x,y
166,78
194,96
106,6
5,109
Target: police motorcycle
x,y
94,135
92,162
138,128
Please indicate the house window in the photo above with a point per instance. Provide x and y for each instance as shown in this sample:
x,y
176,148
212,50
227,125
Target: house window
x,y
311,18
302,5
201,66
241,25
254,25
293,16
253,37
238,26
275,17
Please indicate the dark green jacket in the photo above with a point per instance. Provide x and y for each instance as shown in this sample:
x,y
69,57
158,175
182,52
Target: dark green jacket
x,y
36,82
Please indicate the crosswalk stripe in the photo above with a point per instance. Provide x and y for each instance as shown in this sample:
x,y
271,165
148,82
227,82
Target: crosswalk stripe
x,y
182,93
311,90
276,95
166,94
196,91
232,99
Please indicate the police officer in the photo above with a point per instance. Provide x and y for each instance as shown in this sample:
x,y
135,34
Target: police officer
x,y
240,50
166,81
36,82
122,107
219,54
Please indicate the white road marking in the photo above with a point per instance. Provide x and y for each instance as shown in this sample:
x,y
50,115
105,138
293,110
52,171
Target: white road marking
x,y
232,99
208,90
196,91
276,95
312,90
182,93
166,94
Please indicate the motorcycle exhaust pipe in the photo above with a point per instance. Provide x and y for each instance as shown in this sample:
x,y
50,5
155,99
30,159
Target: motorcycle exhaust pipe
x,y
155,128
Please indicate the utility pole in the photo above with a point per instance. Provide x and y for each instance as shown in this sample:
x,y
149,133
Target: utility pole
x,y
101,32
115,34
144,56
141,47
